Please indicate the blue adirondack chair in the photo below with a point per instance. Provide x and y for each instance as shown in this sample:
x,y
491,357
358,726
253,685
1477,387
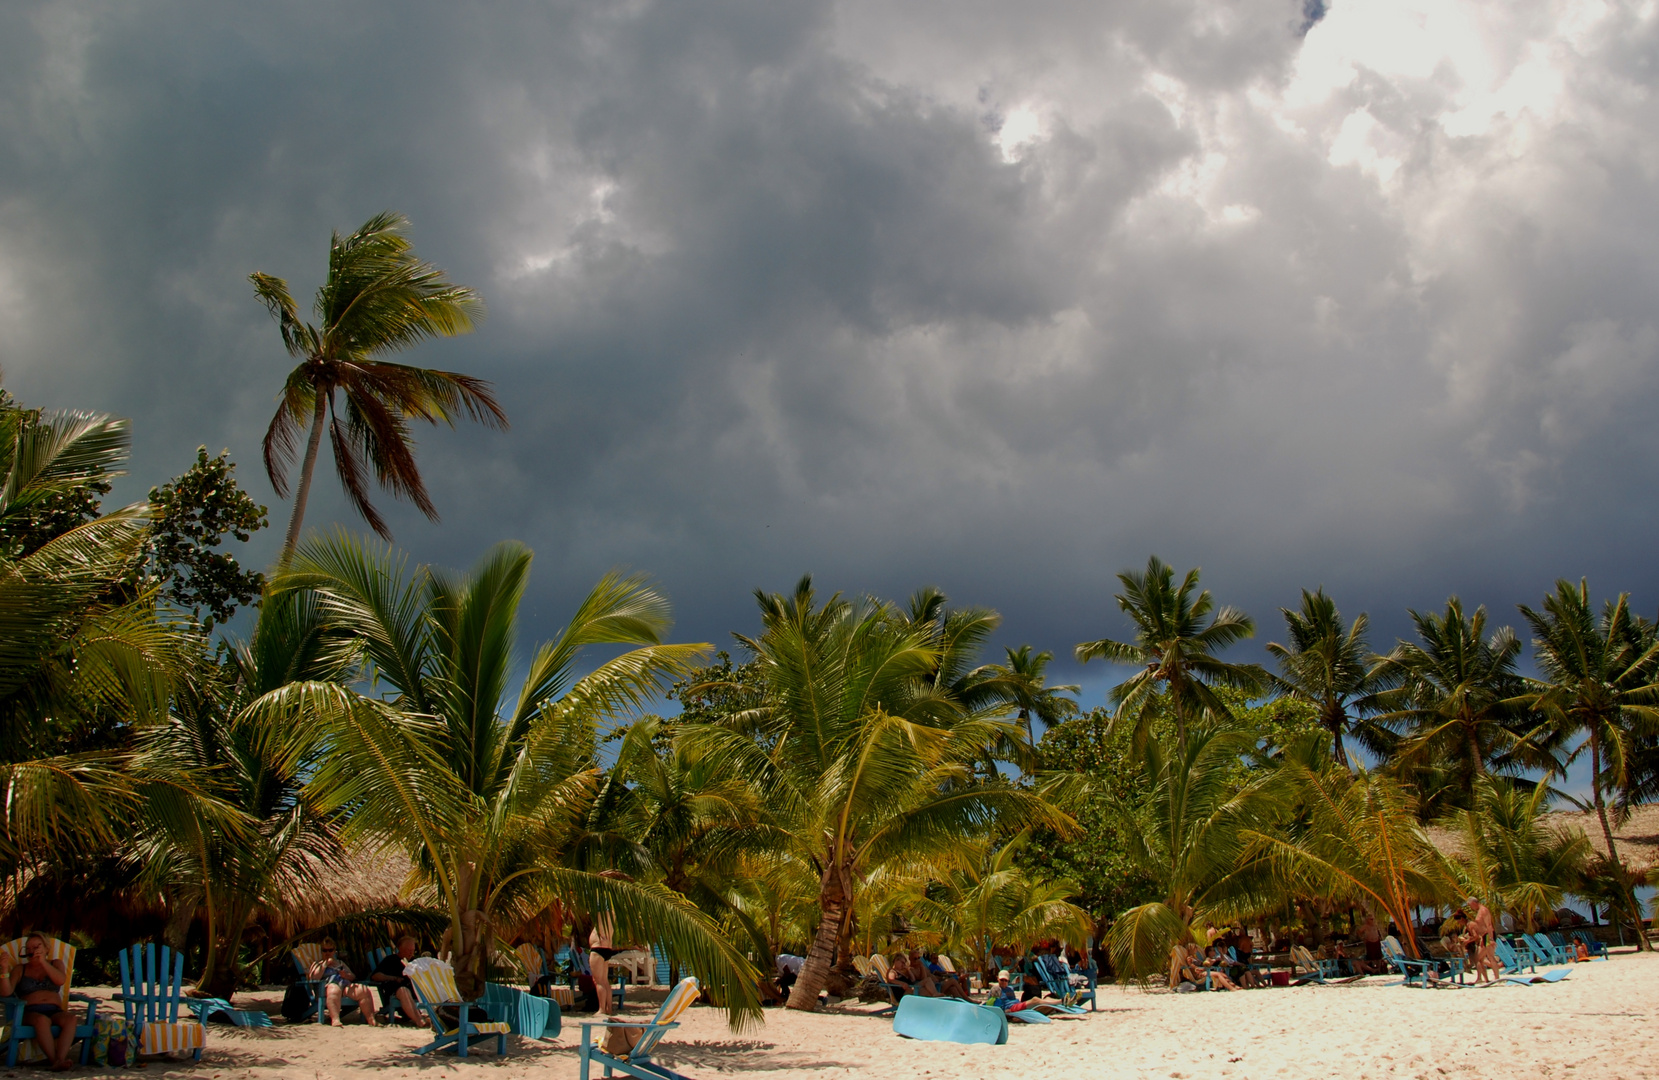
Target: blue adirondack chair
x,y
660,954
151,978
20,1036
1547,950
1598,950
526,1014
436,991
1416,972
388,1002
1513,960
637,1062
305,955
1056,983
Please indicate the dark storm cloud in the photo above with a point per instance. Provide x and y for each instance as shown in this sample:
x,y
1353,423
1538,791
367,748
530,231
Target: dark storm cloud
x,y
998,297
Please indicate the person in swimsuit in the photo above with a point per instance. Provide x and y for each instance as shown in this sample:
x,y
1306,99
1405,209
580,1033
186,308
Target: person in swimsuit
x,y
1482,934
600,950
40,985
1371,934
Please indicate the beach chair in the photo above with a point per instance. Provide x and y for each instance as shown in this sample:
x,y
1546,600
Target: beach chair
x,y
151,976
1598,950
306,954
206,1009
1548,951
1513,961
637,1062
532,962
526,1014
1416,972
20,1037
861,964
436,991
950,1020
895,991
1306,968
663,969
1059,984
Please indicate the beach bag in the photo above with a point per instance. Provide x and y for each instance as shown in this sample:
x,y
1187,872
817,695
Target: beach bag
x,y
298,1003
110,1040
1186,987
620,1041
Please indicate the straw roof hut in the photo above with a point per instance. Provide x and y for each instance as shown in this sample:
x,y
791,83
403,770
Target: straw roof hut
x,y
1638,837
364,880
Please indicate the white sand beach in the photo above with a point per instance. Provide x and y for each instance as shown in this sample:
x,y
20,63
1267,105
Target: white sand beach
x,y
1600,1022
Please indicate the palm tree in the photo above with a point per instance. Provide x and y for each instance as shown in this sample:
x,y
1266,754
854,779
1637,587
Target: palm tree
x,y
1176,648
1512,859
859,752
1189,826
1328,665
261,839
488,790
1456,695
1025,675
378,298
1601,680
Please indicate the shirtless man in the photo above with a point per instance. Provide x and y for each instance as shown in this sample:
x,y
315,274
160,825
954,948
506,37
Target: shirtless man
x,y
600,950
1482,935
1371,934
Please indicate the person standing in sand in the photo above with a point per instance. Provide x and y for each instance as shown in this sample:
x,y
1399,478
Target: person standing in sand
x,y
600,950
1482,935
1371,934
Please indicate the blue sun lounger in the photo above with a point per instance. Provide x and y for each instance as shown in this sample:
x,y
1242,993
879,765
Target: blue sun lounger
x,y
950,1020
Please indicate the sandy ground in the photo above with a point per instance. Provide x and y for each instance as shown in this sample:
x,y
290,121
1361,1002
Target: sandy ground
x,y
1601,1022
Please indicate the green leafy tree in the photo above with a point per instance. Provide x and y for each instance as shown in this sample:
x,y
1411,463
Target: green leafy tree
x,y
1512,858
193,514
1178,636
487,789
1328,664
378,298
860,750
1601,683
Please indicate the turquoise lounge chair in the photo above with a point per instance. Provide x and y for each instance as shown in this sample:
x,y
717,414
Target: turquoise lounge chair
x,y
437,993
638,1061
526,1014
1058,984
1416,972
1554,975
208,1008
1513,960
950,1020
1543,947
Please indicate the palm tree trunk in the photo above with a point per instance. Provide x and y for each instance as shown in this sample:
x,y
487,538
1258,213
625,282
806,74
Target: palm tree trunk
x,y
1616,867
307,467
832,903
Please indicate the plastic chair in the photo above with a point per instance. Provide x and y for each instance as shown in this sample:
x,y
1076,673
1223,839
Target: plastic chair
x,y
151,977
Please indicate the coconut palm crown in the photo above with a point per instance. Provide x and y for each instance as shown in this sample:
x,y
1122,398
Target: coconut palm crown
x,y
378,298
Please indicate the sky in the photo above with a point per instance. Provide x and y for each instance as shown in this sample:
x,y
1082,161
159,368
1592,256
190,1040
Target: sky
x,y
1002,298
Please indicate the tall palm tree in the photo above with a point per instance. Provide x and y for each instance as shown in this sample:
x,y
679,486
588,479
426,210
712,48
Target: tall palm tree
x,y
1025,673
859,752
1176,648
488,789
1188,826
1456,695
378,298
1601,681
1328,665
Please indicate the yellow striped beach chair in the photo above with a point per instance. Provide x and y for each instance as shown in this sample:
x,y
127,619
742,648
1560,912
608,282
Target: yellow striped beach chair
x,y
20,1040
436,990
151,979
637,1062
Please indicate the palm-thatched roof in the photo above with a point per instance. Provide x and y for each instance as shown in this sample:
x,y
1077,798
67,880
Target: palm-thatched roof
x,y
364,880
1637,837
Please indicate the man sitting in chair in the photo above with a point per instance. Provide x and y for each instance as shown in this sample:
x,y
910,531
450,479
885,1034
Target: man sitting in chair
x,y
339,983
389,979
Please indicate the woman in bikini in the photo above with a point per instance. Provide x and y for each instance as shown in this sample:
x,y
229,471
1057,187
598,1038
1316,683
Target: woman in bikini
x,y
600,951
40,985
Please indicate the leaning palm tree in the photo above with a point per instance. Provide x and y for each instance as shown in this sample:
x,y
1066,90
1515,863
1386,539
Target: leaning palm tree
x,y
1356,840
1176,648
1456,695
485,788
378,298
1328,665
861,755
1601,681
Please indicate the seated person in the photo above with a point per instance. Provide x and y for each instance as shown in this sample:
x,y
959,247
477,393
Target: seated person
x,y
1581,951
1241,972
901,974
40,985
339,983
1008,999
947,981
1216,965
388,978
789,969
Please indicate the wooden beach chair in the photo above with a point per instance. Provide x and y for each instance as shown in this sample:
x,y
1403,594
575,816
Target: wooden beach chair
x,y
1306,968
1058,984
1416,972
151,988
532,962
861,964
1549,950
20,1037
436,991
637,1062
